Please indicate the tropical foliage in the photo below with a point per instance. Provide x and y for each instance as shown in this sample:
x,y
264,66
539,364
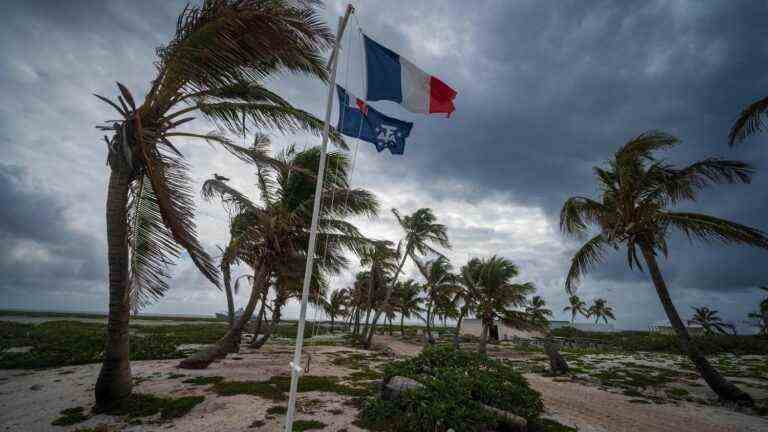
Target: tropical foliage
x,y
576,306
638,190
709,320
600,310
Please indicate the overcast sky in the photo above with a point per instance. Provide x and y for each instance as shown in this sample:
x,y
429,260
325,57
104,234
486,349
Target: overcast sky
x,y
547,90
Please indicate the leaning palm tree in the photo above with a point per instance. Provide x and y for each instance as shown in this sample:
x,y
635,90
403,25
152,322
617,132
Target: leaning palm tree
x,y
276,232
497,297
212,66
709,320
576,306
600,310
422,232
381,259
637,192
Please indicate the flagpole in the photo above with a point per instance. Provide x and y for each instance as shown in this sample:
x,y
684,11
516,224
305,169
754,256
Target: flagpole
x,y
296,363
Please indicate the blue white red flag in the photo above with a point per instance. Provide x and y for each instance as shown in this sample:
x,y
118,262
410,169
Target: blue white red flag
x,y
394,78
359,120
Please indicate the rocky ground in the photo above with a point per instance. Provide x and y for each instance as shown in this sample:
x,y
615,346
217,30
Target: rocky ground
x,y
247,392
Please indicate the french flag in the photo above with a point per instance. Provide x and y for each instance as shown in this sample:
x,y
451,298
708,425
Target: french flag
x,y
394,78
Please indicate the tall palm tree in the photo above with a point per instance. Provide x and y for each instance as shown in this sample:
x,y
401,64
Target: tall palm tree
x,y
408,301
637,192
440,286
276,232
709,320
496,296
467,290
600,310
336,305
422,232
576,306
212,66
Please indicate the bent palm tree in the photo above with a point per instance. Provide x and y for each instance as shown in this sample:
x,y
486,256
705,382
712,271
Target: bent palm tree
x,y
576,306
408,301
709,320
382,259
211,66
421,233
335,306
439,287
637,191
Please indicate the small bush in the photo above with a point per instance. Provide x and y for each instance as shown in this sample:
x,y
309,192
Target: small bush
x,y
204,380
455,383
305,425
145,405
277,410
71,416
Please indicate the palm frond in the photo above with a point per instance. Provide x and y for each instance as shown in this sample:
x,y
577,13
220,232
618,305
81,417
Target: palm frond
x,y
706,228
151,247
577,212
232,199
749,122
587,257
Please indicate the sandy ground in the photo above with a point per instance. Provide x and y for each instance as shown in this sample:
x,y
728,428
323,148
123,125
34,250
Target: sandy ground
x,y
30,400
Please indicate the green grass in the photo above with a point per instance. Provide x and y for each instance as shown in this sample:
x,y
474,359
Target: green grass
x,y
204,380
305,425
86,315
145,405
276,387
71,416
65,343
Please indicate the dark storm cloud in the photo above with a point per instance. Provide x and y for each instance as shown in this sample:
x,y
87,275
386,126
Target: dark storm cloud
x,y
547,90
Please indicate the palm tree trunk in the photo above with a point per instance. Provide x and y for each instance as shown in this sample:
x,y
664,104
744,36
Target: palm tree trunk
x,y
387,295
114,383
457,336
276,316
402,329
203,358
260,320
725,389
482,348
430,338
225,273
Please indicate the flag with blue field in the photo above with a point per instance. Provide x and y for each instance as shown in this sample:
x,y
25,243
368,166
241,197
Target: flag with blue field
x,y
358,120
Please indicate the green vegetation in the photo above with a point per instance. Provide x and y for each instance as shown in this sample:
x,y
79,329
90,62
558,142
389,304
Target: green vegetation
x,y
456,383
276,387
71,416
634,341
204,380
65,343
88,315
145,405
277,410
305,425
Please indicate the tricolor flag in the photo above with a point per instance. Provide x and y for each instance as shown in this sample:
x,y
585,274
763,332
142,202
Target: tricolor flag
x,y
358,120
394,78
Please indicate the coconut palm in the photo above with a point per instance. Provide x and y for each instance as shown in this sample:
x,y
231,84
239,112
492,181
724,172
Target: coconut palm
x,y
538,311
576,306
709,320
496,296
408,301
212,66
336,305
637,192
440,286
381,259
467,290
275,234
422,232
600,310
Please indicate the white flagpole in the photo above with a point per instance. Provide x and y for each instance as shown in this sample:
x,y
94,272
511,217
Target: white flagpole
x,y
296,363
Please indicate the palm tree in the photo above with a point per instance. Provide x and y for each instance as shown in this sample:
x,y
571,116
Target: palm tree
x,y
467,290
600,310
709,320
637,192
496,296
576,306
440,285
408,301
421,232
336,305
275,234
211,66
538,312
381,259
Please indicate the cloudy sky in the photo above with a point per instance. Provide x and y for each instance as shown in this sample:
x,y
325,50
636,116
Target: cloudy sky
x,y
547,90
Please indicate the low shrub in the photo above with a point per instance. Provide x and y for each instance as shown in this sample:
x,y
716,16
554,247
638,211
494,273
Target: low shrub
x,y
456,383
